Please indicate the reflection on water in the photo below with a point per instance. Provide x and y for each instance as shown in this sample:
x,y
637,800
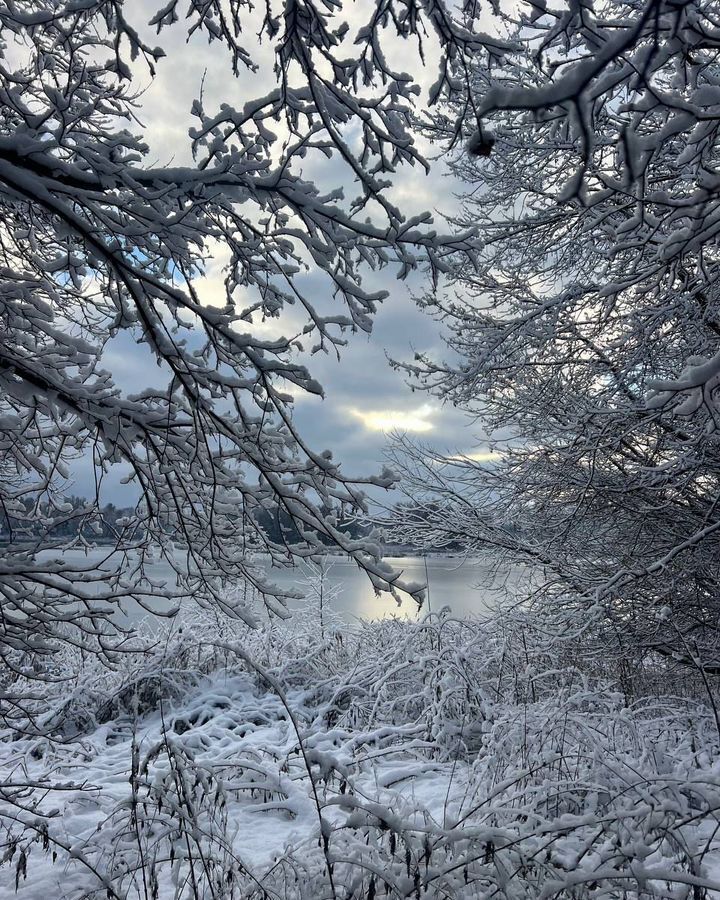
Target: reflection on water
x,y
468,586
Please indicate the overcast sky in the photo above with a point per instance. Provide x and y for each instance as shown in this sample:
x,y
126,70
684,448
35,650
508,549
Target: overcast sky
x,y
365,398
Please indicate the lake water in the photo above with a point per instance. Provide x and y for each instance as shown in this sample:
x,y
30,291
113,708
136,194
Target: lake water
x,y
469,586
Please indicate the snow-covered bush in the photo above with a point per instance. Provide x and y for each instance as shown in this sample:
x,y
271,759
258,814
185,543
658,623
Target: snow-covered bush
x,y
441,758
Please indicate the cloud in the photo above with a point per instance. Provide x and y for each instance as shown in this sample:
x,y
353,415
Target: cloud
x,y
364,397
476,456
396,420
484,456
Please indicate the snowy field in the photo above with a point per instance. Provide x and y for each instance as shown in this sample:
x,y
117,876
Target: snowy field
x,y
437,759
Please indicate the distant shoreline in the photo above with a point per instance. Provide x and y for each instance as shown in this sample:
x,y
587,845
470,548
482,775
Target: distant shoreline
x,y
390,552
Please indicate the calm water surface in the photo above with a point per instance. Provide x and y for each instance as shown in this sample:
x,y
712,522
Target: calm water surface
x,y
468,586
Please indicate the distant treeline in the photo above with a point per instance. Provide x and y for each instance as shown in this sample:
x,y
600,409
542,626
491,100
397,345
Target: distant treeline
x,y
72,517
280,528
79,517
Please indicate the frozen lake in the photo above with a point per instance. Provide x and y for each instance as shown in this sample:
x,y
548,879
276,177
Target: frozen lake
x,y
467,585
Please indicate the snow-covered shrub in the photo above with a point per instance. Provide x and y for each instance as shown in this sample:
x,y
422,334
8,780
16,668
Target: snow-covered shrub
x,y
438,759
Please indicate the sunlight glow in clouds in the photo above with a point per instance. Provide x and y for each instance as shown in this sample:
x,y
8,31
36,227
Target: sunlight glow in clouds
x,y
396,420
482,456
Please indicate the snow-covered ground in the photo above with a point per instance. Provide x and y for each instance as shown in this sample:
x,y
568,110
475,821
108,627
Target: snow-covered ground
x,y
439,759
